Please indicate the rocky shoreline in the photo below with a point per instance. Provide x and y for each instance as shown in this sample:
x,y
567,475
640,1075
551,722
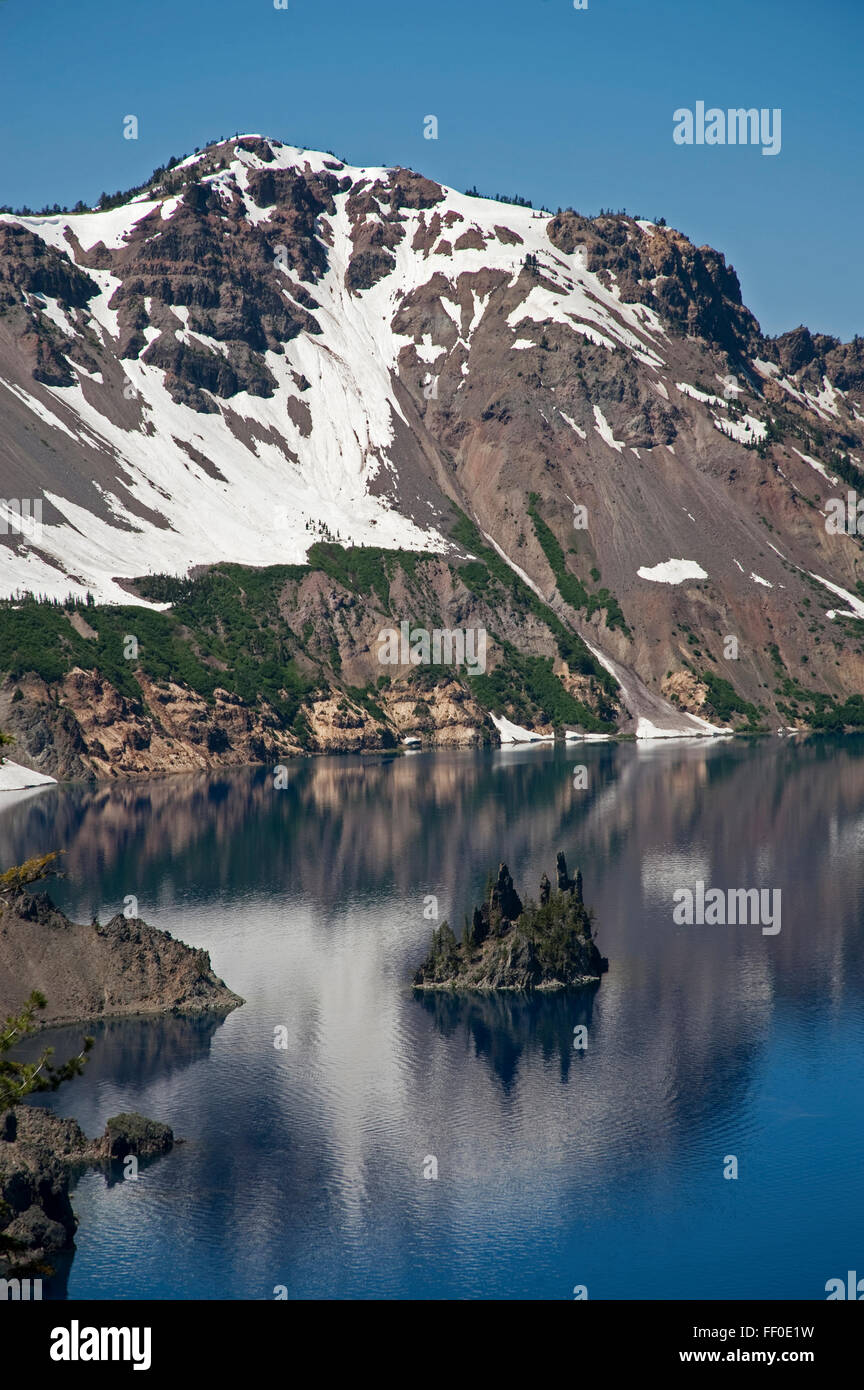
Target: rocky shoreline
x,y
41,1155
547,945
79,973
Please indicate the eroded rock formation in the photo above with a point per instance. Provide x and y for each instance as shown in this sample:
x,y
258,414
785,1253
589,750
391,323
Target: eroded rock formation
x,y
505,946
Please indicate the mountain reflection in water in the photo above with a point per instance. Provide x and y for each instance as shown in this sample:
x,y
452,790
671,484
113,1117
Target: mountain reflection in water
x,y
303,1166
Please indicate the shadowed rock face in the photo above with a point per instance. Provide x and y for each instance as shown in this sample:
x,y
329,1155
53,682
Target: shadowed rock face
x,y
40,1156
87,972
508,947
505,903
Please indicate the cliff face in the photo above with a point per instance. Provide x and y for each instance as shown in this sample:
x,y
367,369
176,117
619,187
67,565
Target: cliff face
x,y
267,348
507,946
87,972
257,667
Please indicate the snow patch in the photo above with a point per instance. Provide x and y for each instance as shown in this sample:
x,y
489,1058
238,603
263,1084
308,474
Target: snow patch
x,y
89,228
695,394
767,369
672,572
526,579
826,401
428,351
514,733
14,777
572,423
815,463
646,730
44,414
746,431
52,310
856,605
604,429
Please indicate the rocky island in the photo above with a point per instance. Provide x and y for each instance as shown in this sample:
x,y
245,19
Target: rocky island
x,y
505,946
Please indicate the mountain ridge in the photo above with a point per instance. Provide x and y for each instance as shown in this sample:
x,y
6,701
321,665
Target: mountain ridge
x,y
272,348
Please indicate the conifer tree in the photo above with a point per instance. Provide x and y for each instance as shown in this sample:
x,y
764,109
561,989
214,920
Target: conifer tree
x,y
20,1079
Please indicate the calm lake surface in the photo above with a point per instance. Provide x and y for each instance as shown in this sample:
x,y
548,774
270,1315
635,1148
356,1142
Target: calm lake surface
x,y
303,1167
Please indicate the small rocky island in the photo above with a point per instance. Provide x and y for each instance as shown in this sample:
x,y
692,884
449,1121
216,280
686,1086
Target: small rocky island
x,y
505,946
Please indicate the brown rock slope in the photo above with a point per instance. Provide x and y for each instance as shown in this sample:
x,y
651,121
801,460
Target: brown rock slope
x,y
89,972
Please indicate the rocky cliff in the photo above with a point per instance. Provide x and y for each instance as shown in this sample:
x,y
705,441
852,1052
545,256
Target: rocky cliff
x,y
40,1157
259,666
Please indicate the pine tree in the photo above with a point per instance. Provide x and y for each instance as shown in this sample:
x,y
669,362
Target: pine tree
x,y
20,876
20,1079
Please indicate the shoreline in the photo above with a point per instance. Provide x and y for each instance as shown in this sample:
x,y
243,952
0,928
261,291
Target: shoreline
x,y
541,741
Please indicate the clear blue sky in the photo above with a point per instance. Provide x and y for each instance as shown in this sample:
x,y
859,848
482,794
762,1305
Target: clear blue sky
x,y
567,108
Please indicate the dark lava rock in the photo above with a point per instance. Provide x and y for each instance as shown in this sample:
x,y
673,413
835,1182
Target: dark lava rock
x,y
40,1156
132,1134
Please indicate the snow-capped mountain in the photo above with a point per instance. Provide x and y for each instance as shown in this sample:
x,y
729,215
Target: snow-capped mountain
x,y
267,347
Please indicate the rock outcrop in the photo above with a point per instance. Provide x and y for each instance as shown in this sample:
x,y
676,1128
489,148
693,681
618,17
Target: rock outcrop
x,y
506,946
40,1157
121,968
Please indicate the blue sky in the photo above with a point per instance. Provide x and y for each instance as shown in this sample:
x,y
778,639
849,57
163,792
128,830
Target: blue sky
x,y
566,107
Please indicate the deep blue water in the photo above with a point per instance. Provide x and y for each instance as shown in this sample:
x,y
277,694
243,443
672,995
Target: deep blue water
x,y
304,1167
